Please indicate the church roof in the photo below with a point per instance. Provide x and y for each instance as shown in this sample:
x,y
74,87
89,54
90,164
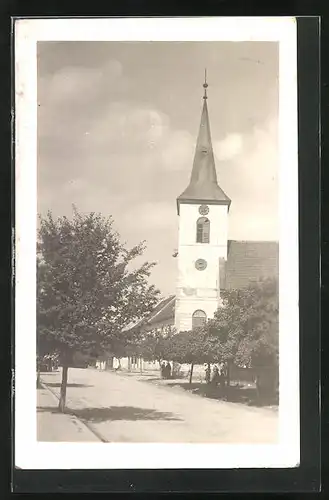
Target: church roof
x,y
164,311
247,261
158,314
203,186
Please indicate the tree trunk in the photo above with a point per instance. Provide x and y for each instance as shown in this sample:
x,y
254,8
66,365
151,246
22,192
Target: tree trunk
x,y
191,373
62,399
258,386
208,377
228,374
38,378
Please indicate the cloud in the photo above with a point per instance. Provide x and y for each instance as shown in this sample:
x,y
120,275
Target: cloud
x,y
151,215
96,141
69,97
178,150
128,126
117,132
229,147
258,162
250,179
72,82
75,186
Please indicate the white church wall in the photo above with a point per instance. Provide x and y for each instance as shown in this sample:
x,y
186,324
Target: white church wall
x,y
140,365
218,216
199,289
186,307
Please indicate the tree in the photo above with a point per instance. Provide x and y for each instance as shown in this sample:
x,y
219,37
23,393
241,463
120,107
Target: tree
x,y
154,345
193,347
243,331
246,325
88,289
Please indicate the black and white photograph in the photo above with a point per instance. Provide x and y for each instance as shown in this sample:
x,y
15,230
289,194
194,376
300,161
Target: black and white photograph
x,y
157,243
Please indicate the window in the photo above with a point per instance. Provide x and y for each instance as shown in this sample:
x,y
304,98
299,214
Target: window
x,y
203,230
199,318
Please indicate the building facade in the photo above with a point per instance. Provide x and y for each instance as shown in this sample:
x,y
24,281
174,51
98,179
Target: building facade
x,y
207,261
203,235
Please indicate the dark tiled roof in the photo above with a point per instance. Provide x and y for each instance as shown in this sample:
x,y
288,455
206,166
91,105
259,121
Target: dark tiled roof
x,y
132,324
159,313
249,261
163,311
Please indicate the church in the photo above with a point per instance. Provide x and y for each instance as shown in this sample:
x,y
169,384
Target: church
x,y
207,261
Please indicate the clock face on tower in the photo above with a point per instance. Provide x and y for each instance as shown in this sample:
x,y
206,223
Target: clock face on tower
x,y
203,210
201,264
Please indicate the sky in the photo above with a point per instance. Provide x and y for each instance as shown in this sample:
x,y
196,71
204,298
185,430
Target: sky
x,y
117,127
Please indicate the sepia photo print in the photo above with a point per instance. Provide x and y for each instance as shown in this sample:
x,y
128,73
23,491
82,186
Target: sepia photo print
x,y
160,180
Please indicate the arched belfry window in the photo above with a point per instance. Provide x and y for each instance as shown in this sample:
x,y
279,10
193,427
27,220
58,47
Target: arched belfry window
x,y
203,230
199,318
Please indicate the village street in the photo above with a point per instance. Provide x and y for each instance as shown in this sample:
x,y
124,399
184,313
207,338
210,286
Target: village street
x,y
122,409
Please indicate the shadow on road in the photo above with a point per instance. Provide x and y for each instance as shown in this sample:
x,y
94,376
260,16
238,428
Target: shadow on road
x,y
232,394
152,379
58,384
97,415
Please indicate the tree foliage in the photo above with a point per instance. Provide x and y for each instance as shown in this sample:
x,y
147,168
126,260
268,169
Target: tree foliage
x,y
87,287
243,331
246,325
154,344
194,346
87,291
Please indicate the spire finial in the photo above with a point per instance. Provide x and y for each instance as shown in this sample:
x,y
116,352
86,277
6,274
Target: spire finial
x,y
205,85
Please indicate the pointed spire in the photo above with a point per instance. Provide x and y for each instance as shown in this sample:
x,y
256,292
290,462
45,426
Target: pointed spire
x,y
205,85
203,185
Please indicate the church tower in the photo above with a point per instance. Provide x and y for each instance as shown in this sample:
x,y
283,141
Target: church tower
x,y
203,231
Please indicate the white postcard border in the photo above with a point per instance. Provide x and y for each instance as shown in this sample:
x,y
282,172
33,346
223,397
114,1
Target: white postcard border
x,y
30,454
